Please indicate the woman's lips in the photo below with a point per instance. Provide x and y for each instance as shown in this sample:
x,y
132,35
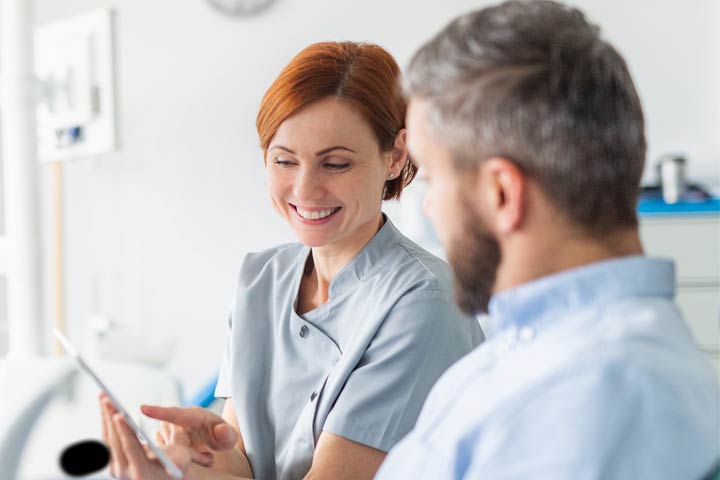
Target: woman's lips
x,y
315,215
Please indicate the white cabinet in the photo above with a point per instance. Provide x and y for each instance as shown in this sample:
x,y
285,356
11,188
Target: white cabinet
x,y
693,242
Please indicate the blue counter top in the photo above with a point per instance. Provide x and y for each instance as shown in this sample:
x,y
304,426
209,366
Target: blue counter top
x,y
657,207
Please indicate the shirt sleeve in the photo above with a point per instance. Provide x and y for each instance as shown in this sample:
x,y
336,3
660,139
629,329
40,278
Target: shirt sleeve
x,y
421,337
223,388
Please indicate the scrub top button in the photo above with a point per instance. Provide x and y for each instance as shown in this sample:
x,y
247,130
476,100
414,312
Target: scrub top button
x,y
303,331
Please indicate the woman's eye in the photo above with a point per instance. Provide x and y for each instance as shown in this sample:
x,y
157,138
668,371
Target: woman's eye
x,y
283,162
337,166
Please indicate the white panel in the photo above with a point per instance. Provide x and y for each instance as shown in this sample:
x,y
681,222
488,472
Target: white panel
x,y
74,63
4,255
693,242
701,307
3,316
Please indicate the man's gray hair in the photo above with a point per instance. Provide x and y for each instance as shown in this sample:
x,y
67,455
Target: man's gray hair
x,y
535,83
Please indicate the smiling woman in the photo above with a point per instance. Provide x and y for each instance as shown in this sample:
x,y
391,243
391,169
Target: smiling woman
x,y
334,341
329,185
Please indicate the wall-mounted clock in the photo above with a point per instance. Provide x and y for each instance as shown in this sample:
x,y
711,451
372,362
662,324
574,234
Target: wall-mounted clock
x,y
240,7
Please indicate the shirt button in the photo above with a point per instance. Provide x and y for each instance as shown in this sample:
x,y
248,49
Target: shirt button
x,y
526,334
303,331
312,396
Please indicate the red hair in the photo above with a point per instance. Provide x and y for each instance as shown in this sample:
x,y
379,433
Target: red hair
x,y
364,75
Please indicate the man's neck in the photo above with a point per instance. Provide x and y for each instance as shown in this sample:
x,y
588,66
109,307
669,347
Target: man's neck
x,y
528,257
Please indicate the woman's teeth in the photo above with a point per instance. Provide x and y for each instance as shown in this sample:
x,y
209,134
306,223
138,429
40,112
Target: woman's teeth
x,y
316,215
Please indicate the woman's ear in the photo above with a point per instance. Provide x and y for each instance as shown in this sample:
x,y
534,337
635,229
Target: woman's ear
x,y
398,154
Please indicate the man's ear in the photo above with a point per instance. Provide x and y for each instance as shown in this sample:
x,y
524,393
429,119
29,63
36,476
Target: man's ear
x,y
502,186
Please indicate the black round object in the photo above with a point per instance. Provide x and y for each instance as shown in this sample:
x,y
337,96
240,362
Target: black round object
x,y
84,457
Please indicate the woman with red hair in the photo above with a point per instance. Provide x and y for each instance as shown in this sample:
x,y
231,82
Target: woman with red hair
x,y
334,341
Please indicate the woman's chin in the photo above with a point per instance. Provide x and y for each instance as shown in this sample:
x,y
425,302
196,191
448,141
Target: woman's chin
x,y
312,241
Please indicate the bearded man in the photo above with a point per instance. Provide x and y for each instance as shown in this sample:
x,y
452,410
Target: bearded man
x,y
530,135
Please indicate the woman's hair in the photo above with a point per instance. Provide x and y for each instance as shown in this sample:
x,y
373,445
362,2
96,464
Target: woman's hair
x,y
363,75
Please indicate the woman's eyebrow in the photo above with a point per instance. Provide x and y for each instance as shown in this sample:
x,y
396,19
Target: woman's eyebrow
x,y
281,148
318,153
330,149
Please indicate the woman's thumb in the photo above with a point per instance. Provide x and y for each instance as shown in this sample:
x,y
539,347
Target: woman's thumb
x,y
225,436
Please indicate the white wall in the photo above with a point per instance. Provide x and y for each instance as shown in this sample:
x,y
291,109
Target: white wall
x,y
673,50
155,233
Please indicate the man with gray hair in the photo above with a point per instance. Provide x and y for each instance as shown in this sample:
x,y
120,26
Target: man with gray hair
x,y
530,135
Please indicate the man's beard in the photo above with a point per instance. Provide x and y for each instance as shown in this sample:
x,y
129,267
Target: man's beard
x,y
474,257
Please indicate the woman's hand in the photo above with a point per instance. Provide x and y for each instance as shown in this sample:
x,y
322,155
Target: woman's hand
x,y
128,457
198,429
170,434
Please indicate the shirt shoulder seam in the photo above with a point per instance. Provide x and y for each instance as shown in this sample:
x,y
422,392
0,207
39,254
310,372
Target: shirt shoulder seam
x,y
435,285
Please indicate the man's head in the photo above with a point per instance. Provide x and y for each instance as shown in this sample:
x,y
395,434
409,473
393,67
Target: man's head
x,y
517,111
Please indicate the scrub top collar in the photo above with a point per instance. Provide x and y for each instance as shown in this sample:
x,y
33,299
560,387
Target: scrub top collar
x,y
364,261
539,302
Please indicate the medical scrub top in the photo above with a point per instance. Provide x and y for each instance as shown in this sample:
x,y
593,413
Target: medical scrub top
x,y
358,366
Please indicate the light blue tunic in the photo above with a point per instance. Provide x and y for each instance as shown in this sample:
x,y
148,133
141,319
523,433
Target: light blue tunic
x,y
359,366
592,374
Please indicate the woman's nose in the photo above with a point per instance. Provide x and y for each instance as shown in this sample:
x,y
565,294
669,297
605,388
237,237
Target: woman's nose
x,y
307,187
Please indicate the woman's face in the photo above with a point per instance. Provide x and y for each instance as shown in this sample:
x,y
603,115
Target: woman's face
x,y
325,175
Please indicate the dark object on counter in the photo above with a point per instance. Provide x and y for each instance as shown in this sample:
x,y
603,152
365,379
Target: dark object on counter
x,y
84,457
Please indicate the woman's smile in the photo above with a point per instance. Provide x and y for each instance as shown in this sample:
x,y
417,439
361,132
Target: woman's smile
x,y
315,215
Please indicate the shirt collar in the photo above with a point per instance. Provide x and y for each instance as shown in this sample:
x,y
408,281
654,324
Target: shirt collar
x,y
365,260
547,298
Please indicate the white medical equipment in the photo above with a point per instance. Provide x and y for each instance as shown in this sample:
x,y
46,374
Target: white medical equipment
x,y
50,376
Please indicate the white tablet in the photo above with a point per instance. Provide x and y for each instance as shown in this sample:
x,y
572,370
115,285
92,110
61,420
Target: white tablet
x,y
170,467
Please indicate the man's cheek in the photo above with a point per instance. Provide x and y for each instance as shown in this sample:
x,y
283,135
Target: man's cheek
x,y
426,204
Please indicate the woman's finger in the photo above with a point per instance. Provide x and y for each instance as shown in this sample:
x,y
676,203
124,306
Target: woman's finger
x,y
106,431
135,453
160,438
202,426
180,456
180,436
176,435
205,459
117,456
103,420
138,460
168,432
116,449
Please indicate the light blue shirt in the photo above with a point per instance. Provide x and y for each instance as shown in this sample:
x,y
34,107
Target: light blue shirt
x,y
359,366
591,374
